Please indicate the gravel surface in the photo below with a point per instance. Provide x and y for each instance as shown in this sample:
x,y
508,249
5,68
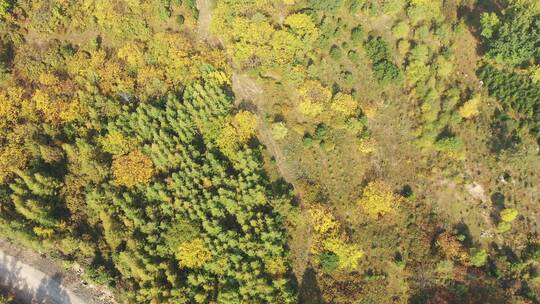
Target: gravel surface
x,y
36,279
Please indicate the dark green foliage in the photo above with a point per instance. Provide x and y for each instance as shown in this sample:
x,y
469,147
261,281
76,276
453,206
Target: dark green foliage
x,y
180,20
385,71
516,39
518,96
224,203
321,132
376,49
329,261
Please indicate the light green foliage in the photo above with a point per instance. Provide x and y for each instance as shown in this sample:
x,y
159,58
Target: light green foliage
x,y
451,145
279,130
401,30
444,67
478,257
489,23
4,6
335,52
357,34
424,11
393,7
34,197
503,227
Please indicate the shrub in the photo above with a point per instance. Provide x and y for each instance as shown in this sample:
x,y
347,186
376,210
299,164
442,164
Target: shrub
x,y
518,96
376,49
503,227
335,52
357,34
193,254
353,56
489,23
377,199
279,130
478,257
470,108
386,72
344,104
515,40
508,215
401,30
180,19
329,261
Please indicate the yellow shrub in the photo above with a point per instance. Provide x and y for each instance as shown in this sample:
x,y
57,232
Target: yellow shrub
x,y
323,221
470,108
344,104
535,74
367,146
310,108
116,143
313,97
377,199
349,254
276,267
43,232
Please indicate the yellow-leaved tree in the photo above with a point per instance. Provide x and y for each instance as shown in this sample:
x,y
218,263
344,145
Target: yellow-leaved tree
x,y
344,104
132,169
328,237
313,98
193,254
237,132
378,199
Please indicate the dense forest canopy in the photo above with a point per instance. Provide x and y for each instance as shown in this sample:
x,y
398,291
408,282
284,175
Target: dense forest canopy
x,y
276,151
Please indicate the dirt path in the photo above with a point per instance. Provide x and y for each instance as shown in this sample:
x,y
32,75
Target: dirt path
x,y
205,18
247,90
36,279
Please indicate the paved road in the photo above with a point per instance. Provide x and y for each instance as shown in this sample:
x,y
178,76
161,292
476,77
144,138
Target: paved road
x,y
32,285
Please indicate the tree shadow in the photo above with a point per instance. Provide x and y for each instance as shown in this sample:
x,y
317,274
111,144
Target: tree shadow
x,y
309,292
463,229
51,291
10,273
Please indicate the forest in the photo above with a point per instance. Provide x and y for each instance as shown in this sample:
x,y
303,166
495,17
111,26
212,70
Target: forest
x,y
276,151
